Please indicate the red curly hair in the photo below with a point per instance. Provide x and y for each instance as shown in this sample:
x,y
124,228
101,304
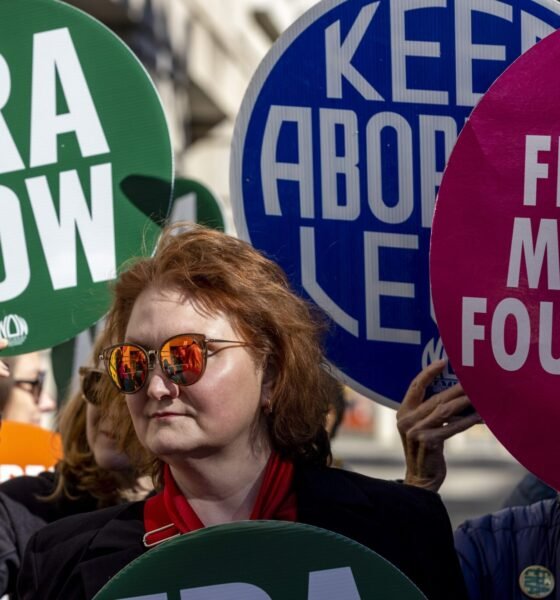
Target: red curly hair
x,y
227,275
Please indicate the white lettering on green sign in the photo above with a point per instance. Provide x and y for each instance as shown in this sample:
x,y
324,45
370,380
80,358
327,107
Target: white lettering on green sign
x,y
55,59
329,584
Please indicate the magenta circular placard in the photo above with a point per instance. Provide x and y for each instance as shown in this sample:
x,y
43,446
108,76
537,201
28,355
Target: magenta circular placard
x,y
494,259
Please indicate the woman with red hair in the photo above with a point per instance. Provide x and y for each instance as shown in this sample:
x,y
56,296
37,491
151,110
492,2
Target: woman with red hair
x,y
235,431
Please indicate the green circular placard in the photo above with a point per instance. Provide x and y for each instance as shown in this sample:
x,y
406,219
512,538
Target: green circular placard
x,y
260,560
193,201
81,127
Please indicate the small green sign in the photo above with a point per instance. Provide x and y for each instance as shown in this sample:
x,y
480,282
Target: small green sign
x,y
260,560
193,201
78,117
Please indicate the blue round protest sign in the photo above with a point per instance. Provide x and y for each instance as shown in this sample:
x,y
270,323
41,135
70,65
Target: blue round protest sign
x,y
339,151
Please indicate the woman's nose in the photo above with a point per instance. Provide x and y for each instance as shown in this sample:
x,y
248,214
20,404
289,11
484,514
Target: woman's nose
x,y
46,402
160,387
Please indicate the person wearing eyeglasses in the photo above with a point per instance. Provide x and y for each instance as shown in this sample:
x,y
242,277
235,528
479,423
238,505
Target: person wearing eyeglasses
x,y
235,431
93,473
22,391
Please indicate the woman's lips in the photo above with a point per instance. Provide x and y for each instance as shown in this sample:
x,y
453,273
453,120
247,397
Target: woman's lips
x,y
166,415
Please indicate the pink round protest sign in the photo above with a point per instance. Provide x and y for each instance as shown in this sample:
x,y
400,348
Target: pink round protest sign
x,y
494,259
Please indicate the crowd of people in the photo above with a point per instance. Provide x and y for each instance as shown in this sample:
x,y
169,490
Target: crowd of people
x,y
210,384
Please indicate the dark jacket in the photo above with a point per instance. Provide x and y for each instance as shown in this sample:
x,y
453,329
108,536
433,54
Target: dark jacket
x,y
31,491
23,510
73,558
17,525
495,549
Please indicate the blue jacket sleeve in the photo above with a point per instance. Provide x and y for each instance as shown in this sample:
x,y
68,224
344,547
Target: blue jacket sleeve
x,y
470,561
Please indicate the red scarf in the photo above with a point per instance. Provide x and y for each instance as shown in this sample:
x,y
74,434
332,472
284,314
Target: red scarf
x,y
169,513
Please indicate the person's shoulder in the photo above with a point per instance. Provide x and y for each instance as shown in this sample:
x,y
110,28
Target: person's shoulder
x,y
350,487
513,519
75,556
512,531
369,485
407,526
22,488
80,527
18,513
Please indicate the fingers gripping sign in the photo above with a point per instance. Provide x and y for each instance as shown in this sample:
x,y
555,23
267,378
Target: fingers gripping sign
x,y
425,424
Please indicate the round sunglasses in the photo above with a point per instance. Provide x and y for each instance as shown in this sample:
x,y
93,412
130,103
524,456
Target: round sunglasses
x,y
90,378
182,359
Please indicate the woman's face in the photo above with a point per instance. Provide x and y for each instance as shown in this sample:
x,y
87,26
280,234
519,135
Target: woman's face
x,y
23,404
102,442
215,416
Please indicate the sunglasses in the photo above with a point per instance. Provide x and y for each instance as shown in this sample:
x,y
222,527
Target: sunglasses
x,y
33,386
182,359
90,378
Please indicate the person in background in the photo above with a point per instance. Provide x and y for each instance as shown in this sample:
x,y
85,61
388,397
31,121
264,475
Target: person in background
x,y
512,554
22,392
236,432
528,491
17,524
93,473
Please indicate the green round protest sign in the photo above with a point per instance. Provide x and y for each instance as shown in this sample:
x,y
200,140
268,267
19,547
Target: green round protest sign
x,y
193,201
260,560
81,129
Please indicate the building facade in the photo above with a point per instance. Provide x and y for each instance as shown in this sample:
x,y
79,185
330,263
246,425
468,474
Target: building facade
x,y
201,55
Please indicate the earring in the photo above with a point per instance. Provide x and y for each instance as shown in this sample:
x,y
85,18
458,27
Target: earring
x,y
267,408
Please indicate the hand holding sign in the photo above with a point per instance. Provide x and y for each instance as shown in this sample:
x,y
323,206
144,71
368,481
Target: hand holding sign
x,y
424,425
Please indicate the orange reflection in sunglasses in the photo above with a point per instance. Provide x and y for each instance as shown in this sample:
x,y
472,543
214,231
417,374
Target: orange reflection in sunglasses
x,y
182,359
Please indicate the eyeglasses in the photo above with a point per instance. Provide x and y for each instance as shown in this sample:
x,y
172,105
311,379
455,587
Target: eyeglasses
x,y
33,386
182,359
90,378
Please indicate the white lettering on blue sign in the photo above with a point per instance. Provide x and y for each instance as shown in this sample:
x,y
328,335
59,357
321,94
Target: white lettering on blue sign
x,y
345,133
300,172
376,287
402,48
346,165
467,51
338,56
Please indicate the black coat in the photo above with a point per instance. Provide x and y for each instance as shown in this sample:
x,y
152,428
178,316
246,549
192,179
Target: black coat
x,y
73,558
32,490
